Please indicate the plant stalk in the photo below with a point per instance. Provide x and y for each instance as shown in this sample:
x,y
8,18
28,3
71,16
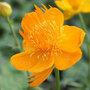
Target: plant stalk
x,y
57,79
15,39
87,42
13,33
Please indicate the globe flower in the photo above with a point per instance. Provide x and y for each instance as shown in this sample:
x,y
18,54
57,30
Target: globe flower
x,y
72,7
47,44
5,9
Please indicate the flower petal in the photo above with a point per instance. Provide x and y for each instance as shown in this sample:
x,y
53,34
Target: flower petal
x,y
32,61
39,77
44,61
68,15
63,4
85,8
55,16
42,29
27,46
23,61
64,60
71,38
75,4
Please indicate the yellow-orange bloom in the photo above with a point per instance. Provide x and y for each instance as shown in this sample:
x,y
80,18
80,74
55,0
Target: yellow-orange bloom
x,y
5,9
72,7
46,43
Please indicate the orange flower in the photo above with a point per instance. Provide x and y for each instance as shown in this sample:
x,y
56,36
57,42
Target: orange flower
x,y
47,43
72,7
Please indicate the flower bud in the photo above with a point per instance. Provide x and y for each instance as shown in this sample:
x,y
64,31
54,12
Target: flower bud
x,y
5,9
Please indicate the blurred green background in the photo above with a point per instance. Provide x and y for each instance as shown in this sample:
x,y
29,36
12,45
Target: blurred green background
x,y
74,78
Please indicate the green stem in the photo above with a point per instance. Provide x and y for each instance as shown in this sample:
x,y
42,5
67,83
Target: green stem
x,y
87,41
16,41
14,36
57,79
13,33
